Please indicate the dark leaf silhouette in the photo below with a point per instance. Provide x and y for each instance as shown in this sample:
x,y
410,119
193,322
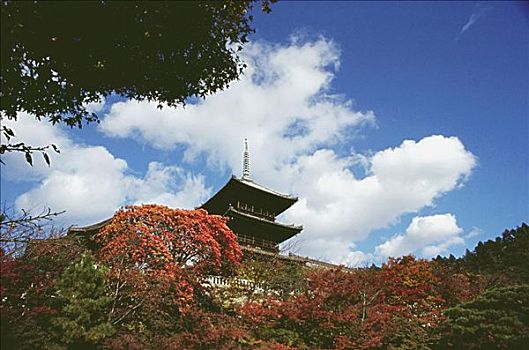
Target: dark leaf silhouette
x,y
164,51
29,159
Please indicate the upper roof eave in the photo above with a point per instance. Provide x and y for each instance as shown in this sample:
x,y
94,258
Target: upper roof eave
x,y
253,184
282,201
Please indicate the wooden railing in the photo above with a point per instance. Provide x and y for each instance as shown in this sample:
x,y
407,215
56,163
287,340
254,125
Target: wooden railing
x,y
257,242
259,212
221,281
212,281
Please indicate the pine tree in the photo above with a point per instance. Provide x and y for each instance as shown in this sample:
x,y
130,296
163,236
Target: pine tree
x,y
506,255
81,293
498,319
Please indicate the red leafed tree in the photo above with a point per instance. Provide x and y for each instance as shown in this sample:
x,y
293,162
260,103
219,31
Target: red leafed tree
x,y
155,237
398,306
158,255
411,283
413,289
207,330
338,310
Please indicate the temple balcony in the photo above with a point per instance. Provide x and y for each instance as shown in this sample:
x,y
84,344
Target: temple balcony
x,y
258,243
258,212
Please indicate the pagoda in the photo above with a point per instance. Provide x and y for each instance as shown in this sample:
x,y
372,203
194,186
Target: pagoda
x,y
252,210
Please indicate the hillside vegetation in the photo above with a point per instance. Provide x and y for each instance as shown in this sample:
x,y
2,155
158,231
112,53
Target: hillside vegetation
x,y
143,285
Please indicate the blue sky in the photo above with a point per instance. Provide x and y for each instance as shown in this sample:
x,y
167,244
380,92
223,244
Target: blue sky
x,y
333,91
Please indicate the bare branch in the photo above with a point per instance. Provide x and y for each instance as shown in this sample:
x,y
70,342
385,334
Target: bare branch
x,y
18,228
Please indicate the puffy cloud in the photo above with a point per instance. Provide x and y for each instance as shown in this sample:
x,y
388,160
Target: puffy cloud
x,y
169,185
89,182
283,105
286,108
338,207
434,164
428,235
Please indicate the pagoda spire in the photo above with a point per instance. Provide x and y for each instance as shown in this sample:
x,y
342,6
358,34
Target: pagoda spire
x,y
246,162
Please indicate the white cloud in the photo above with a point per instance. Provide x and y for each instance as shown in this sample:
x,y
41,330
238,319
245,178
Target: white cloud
x,y
89,182
336,206
96,107
37,134
285,106
474,231
357,258
169,185
426,235
479,11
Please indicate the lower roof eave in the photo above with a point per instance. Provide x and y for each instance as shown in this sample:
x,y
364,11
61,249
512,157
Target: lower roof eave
x,y
90,229
265,221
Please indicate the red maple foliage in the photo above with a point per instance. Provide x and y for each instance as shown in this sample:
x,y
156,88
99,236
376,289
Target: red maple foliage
x,y
158,255
157,238
413,290
338,310
353,309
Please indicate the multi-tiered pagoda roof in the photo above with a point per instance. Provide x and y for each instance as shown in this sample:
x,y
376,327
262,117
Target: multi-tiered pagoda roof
x,y
252,209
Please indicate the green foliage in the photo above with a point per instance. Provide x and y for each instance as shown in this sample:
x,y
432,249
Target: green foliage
x,y
27,292
280,335
273,273
492,264
508,254
28,332
81,294
164,51
286,277
498,319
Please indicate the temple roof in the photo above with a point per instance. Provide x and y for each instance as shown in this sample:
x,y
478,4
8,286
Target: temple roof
x,y
249,192
91,229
